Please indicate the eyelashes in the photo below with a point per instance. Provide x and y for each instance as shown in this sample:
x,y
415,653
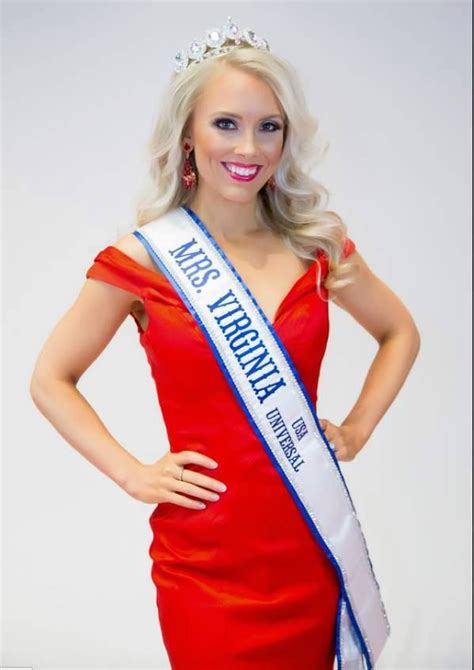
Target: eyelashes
x,y
217,122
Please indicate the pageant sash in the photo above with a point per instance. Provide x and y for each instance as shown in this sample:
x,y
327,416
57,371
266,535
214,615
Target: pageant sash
x,y
275,401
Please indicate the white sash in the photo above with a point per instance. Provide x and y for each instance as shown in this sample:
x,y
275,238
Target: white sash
x,y
275,401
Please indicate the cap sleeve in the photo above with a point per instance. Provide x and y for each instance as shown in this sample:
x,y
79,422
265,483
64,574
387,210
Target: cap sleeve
x,y
349,248
113,266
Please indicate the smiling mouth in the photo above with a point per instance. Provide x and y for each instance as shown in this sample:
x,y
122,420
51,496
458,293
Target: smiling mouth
x,y
241,174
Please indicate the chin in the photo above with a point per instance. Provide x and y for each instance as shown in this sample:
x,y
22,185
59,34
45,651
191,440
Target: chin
x,y
241,192
240,197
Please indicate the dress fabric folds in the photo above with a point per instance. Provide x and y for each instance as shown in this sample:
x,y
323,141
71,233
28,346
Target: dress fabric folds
x,y
242,584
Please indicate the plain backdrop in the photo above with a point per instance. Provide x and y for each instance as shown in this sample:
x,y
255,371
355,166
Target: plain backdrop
x,y
390,84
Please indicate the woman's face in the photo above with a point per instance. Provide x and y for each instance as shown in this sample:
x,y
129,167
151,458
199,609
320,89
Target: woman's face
x,y
236,122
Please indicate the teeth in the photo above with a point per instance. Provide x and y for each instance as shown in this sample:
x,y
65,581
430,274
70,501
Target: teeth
x,y
245,172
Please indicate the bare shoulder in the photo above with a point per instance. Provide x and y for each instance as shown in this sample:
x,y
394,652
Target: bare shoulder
x,y
131,246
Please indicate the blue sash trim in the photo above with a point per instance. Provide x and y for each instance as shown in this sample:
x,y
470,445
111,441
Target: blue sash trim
x,y
275,335
176,284
338,633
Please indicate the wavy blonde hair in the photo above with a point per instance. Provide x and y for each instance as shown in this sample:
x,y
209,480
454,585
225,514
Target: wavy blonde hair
x,y
296,208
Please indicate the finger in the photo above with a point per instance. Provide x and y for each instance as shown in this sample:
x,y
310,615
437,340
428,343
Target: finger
x,y
186,456
199,479
193,490
182,501
328,429
341,454
330,435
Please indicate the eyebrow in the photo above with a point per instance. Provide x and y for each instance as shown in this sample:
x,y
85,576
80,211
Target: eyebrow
x,y
237,116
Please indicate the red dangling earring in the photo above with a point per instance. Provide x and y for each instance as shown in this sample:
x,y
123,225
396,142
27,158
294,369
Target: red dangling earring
x,y
271,183
188,176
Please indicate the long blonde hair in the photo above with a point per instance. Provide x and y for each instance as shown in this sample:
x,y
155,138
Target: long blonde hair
x,y
296,208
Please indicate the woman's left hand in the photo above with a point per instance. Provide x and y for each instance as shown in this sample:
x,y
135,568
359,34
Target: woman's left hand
x,y
346,439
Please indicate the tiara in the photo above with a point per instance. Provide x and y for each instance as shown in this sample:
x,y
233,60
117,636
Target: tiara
x,y
218,41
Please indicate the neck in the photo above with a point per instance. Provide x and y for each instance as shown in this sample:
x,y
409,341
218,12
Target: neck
x,y
227,220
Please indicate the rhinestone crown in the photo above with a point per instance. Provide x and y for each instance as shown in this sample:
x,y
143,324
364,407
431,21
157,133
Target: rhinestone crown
x,y
218,41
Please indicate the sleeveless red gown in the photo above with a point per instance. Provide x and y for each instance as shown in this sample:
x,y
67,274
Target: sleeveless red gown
x,y
242,584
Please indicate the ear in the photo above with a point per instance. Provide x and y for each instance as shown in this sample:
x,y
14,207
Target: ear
x,y
187,139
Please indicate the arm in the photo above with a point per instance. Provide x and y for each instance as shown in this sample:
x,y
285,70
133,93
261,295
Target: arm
x,y
75,342
376,307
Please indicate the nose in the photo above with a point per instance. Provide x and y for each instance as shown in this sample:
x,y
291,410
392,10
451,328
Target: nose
x,y
246,144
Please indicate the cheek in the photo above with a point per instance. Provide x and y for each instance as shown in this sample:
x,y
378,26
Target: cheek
x,y
274,154
274,148
210,144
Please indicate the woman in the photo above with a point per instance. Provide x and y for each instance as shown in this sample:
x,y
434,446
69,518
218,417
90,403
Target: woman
x,y
241,582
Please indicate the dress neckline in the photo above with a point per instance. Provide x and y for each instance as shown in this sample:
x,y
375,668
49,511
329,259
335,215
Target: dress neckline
x,y
161,277
271,321
299,282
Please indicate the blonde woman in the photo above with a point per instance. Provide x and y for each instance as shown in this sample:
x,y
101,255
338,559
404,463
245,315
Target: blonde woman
x,y
252,570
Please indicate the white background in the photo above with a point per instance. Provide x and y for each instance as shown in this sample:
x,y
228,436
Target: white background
x,y
390,83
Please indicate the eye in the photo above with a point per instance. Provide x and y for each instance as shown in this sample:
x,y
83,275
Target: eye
x,y
275,125
218,123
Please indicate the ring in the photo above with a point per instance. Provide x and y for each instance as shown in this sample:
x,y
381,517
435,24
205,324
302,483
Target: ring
x,y
182,472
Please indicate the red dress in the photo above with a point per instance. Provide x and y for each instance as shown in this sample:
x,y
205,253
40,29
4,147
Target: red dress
x,y
242,584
